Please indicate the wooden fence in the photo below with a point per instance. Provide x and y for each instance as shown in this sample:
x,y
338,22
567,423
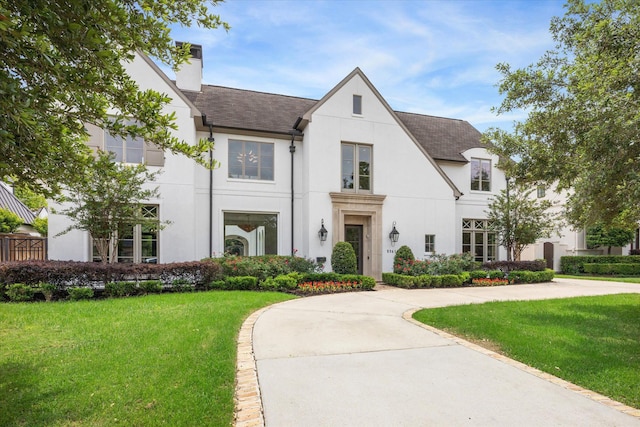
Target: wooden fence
x,y
19,247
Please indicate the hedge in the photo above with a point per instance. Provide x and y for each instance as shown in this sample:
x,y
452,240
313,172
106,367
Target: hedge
x,y
456,280
537,265
575,264
629,269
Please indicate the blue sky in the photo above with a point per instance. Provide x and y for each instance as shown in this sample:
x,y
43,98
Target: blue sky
x,y
431,57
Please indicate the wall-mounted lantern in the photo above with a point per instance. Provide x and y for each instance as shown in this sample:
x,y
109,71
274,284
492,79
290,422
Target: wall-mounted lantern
x,y
323,233
394,235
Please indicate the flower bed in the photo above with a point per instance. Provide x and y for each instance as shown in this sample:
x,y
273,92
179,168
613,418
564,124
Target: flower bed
x,y
307,288
490,282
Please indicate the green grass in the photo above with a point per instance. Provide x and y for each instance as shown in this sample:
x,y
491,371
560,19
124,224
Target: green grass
x,y
157,360
590,341
633,279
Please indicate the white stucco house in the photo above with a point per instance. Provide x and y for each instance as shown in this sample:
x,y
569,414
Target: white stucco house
x,y
347,163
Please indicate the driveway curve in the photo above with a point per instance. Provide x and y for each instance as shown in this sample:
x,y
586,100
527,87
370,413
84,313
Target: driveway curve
x,y
352,360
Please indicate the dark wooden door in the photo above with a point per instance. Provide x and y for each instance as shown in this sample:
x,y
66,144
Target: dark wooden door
x,y
353,235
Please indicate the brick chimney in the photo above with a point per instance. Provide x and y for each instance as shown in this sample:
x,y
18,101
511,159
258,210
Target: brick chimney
x,y
189,76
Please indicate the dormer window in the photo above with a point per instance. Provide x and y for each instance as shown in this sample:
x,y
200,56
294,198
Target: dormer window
x,y
357,104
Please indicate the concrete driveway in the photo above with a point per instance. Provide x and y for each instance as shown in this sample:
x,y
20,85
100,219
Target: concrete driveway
x,y
352,360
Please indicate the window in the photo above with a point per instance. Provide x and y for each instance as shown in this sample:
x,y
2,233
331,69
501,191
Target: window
x,y
430,243
251,160
479,239
356,178
250,234
480,175
357,104
140,243
541,191
127,150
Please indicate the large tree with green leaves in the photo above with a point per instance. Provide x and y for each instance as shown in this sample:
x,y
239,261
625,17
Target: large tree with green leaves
x,y
62,67
107,201
520,219
599,235
582,131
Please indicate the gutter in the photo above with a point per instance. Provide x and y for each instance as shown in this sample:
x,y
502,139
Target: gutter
x,y
292,149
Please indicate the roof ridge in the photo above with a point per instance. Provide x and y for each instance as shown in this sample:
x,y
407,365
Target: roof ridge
x,y
261,92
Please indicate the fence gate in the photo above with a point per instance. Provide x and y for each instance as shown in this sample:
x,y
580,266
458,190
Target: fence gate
x,y
16,247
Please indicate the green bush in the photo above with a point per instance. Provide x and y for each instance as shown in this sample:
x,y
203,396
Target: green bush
x,y
48,290
150,286
18,292
182,285
403,260
279,283
575,264
320,277
241,283
264,266
364,282
423,280
452,264
80,293
523,276
399,280
436,281
627,269
343,259
120,289
217,285
451,280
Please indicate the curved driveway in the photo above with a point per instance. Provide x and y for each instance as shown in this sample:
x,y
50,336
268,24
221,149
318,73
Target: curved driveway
x,y
352,360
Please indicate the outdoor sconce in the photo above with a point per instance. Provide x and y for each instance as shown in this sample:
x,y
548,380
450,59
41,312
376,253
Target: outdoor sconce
x,y
323,233
394,235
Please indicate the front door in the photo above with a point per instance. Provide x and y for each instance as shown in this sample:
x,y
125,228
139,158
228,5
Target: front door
x,y
353,235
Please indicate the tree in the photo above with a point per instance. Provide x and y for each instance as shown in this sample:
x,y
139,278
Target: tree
x,y
599,235
519,219
107,202
9,222
63,67
582,131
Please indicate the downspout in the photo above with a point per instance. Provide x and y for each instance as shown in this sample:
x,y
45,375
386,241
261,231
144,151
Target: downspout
x,y
292,149
210,139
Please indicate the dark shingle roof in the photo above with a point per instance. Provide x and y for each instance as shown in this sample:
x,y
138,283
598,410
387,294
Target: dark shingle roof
x,y
442,138
10,202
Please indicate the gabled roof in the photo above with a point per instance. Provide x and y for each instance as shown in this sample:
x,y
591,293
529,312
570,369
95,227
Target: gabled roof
x,y
224,107
10,202
249,110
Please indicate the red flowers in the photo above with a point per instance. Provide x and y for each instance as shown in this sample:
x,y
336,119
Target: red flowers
x,y
490,282
327,287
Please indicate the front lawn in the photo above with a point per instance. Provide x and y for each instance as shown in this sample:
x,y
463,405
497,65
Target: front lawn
x,y
157,360
590,341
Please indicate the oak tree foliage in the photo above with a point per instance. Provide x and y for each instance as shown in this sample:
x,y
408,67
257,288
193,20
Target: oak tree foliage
x,y
582,130
62,67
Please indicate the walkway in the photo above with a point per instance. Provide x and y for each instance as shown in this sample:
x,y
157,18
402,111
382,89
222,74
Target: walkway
x,y
353,360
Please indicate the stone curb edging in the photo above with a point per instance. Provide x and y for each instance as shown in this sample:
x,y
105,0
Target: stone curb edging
x,y
408,315
247,398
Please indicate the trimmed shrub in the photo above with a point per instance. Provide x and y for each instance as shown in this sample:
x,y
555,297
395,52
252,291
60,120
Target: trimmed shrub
x,y
120,289
217,285
630,269
364,282
263,266
279,283
320,277
532,276
182,285
343,259
19,292
150,287
575,264
399,280
451,280
423,281
80,293
436,281
241,283
48,290
403,260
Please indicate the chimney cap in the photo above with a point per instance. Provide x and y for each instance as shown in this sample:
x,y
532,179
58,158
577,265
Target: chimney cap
x,y
195,49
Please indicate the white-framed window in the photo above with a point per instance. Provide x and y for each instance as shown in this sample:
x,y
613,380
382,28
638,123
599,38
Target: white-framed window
x,y
357,105
140,243
480,175
129,150
479,239
251,160
430,243
541,191
356,167
250,234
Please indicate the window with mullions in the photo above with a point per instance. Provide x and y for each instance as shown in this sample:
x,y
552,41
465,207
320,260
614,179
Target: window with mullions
x,y
430,243
138,244
479,239
356,168
250,160
480,175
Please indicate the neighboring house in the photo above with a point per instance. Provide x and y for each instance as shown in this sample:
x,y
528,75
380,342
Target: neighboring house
x,y
568,241
10,202
291,166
